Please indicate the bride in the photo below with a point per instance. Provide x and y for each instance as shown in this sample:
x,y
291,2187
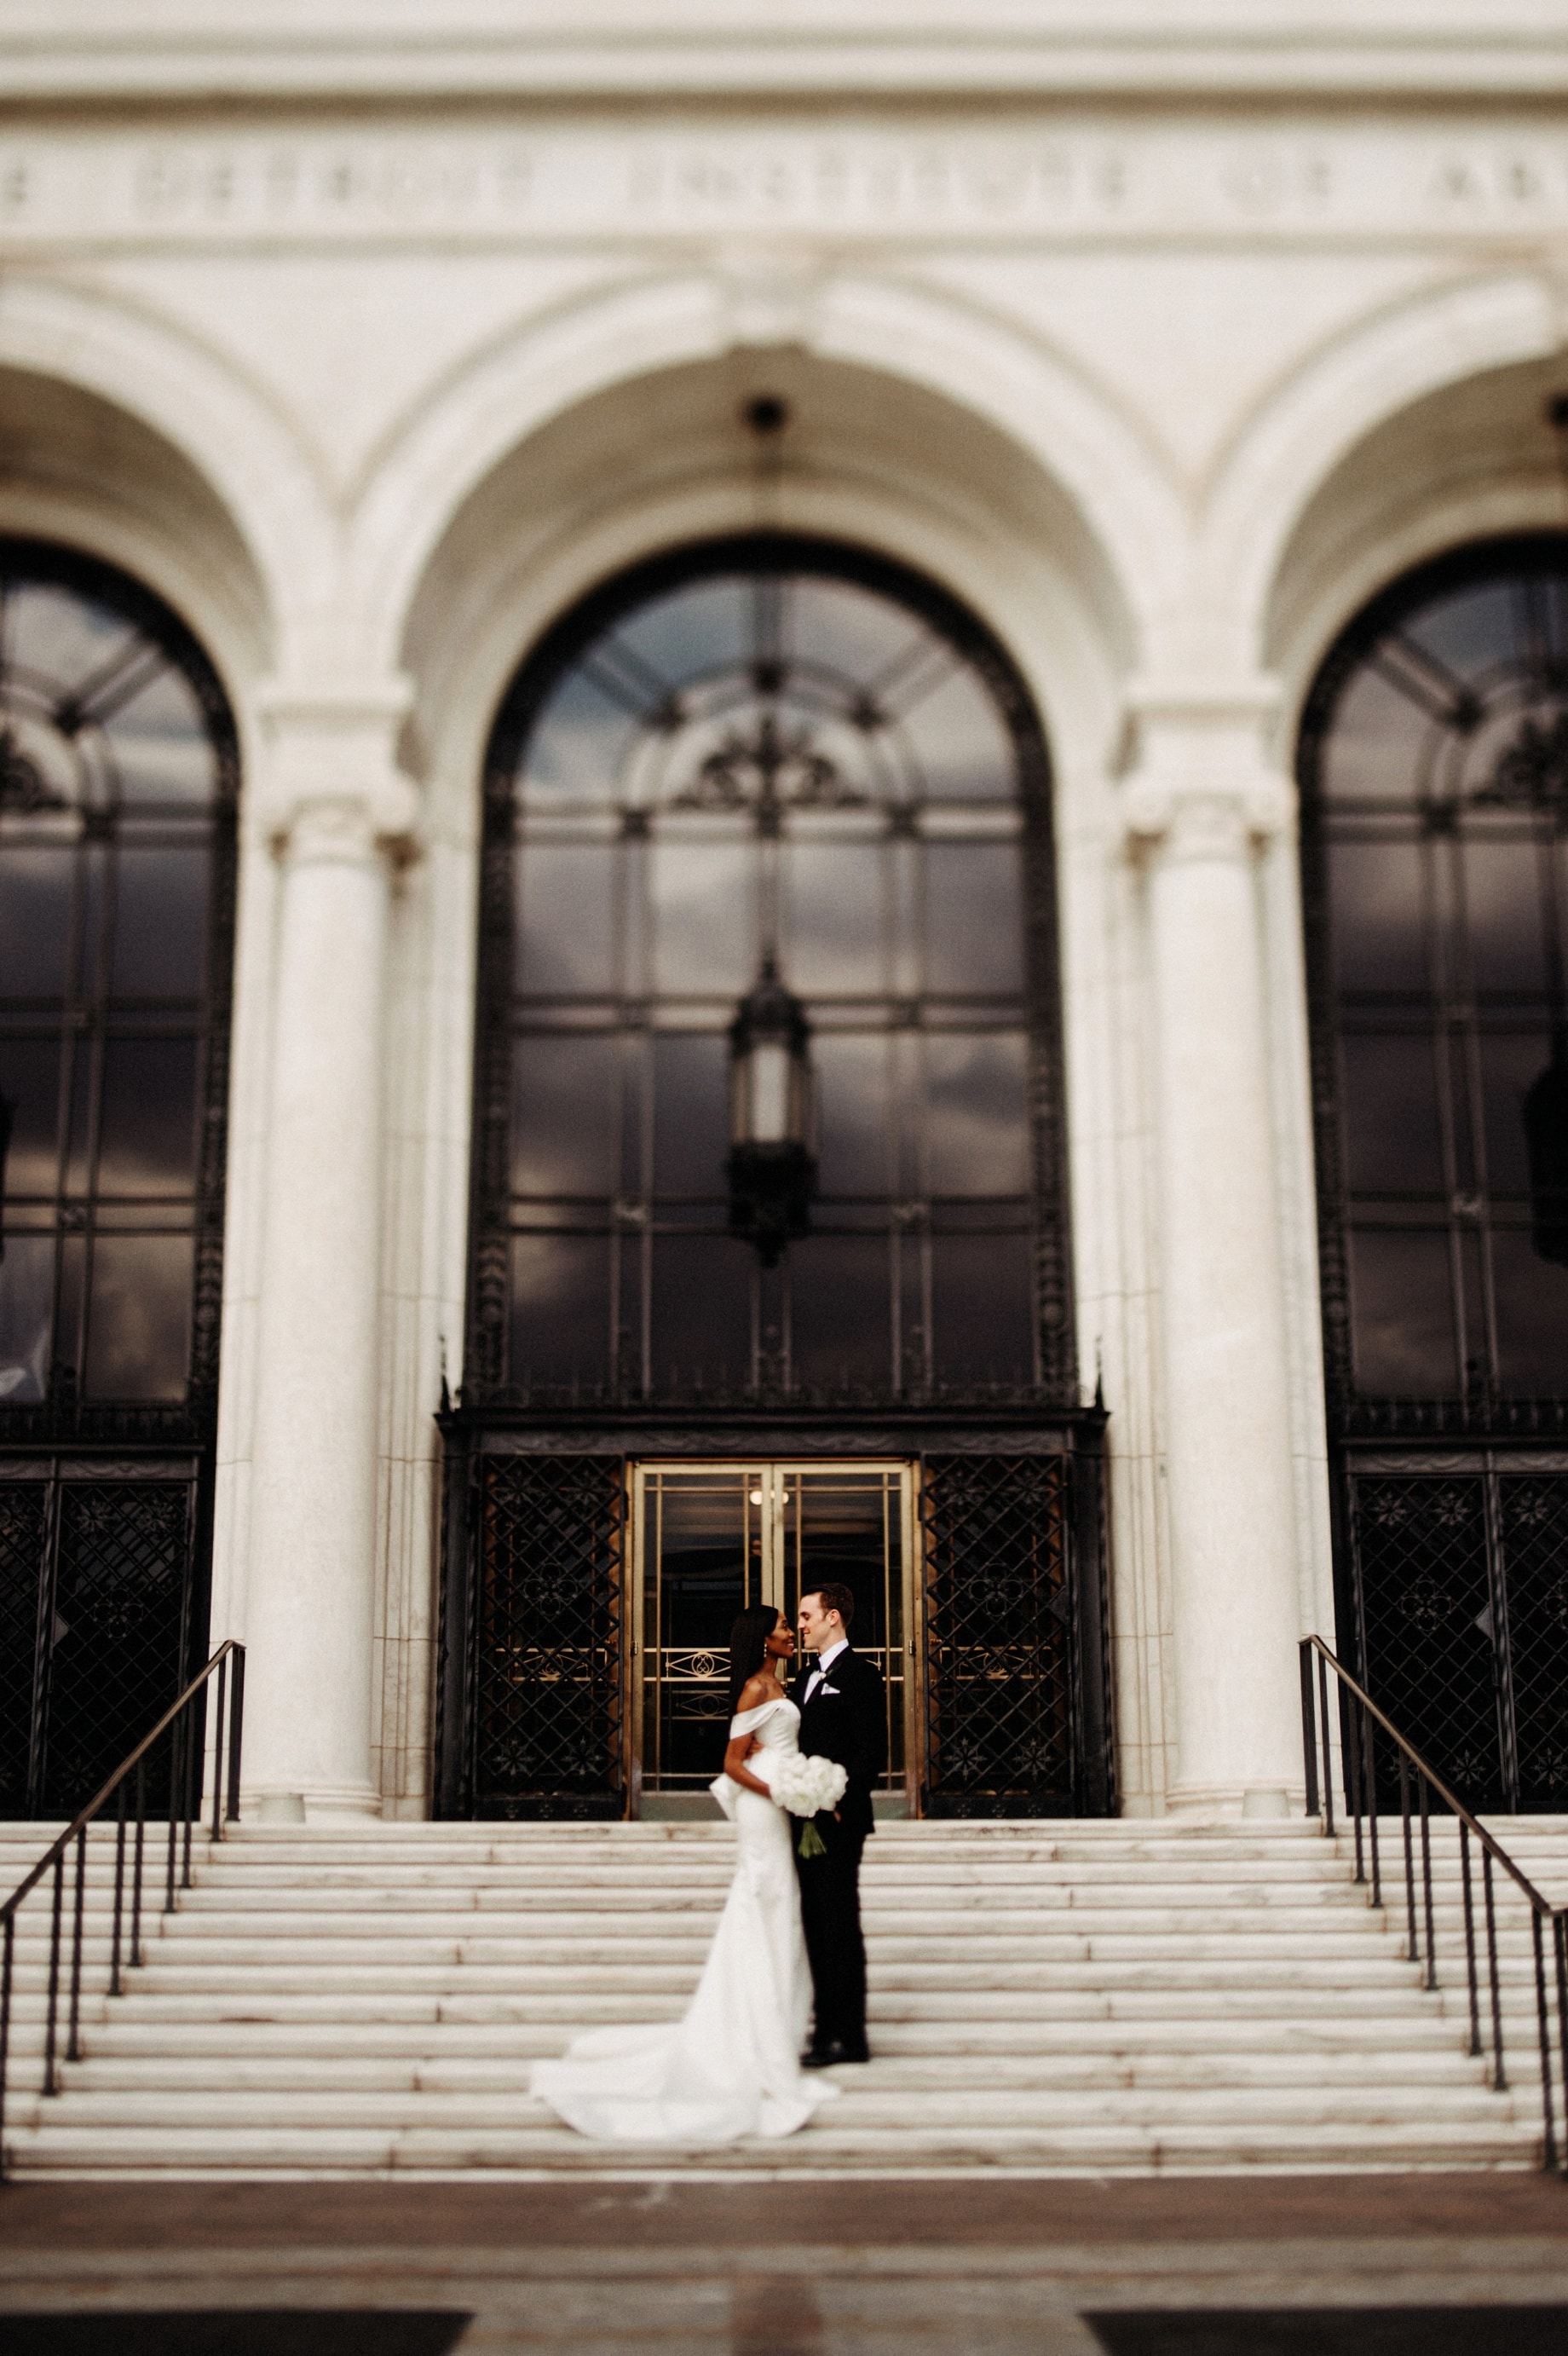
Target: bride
x,y
729,2068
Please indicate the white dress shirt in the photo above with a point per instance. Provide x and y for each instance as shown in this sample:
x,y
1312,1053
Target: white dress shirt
x,y
824,1663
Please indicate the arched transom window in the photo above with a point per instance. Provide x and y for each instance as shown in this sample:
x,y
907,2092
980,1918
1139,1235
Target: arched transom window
x,y
776,764
1434,777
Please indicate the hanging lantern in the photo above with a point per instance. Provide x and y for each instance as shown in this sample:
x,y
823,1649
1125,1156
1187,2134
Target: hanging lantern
x,y
772,1167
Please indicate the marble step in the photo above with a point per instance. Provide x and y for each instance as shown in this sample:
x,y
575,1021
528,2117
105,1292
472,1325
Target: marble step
x,y
322,2073
1228,2147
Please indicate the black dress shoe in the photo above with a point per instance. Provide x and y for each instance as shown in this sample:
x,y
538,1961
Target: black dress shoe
x,y
828,2057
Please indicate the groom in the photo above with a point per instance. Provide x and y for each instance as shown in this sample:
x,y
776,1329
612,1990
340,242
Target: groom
x,y
843,1716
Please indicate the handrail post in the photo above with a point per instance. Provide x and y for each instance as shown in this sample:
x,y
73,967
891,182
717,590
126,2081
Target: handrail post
x,y
119,1894
1328,1748
236,1728
73,2040
1500,2075
217,1749
1412,1949
52,2075
1426,1886
136,1868
6,1960
174,1818
1369,1745
1308,1730
1548,2147
192,1788
1464,1877
1354,1779
1560,1950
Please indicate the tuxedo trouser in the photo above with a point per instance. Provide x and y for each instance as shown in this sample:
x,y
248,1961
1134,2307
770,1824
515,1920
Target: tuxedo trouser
x,y
830,1917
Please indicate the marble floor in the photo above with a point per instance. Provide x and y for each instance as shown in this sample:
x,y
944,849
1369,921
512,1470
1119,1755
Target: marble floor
x,y
1426,2266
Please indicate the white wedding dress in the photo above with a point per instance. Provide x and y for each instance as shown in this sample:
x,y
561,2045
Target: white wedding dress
x,y
729,2068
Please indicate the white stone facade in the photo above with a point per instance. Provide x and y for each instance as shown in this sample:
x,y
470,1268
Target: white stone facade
x,y
1163,332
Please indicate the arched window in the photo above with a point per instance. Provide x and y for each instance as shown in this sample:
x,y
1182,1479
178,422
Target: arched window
x,y
118,778
768,756
1435,811
1434,778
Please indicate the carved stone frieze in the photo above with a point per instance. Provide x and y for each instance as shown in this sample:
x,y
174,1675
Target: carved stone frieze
x,y
1046,175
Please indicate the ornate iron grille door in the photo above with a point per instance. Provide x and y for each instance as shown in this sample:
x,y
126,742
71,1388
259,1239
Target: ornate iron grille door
x,y
1001,1737
1460,1589
541,1655
102,1618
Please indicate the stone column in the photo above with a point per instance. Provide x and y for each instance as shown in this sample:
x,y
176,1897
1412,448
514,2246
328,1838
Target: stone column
x,y
1201,800
336,805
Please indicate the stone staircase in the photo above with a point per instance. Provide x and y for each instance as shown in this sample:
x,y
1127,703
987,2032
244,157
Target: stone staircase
x,y
1048,1997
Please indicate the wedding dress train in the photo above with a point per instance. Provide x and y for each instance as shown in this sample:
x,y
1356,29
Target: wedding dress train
x,y
729,2067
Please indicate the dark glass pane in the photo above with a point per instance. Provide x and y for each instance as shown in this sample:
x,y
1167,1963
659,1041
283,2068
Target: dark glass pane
x,y
1373,749
854,635
1402,1292
702,1584
147,1142
703,902
840,1297
691,1114
29,1082
852,1113
1377,925
566,1116
976,1120
1502,895
56,635
565,920
982,1308
960,743
577,748
139,1317
974,919
1465,629
560,1309
1392,1142
706,627
158,742
34,921
837,919
27,1285
1533,1318
701,1313
1511,1063
160,922
848,1531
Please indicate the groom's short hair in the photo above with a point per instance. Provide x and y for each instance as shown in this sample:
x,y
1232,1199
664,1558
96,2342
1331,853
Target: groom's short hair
x,y
835,1598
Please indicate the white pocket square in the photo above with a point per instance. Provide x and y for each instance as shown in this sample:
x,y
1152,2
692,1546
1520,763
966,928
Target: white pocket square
x,y
834,1690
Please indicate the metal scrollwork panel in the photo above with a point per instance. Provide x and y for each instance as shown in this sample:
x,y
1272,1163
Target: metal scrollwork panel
x,y
546,1665
998,1614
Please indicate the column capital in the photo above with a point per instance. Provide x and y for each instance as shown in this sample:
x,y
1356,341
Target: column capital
x,y
1202,784
332,787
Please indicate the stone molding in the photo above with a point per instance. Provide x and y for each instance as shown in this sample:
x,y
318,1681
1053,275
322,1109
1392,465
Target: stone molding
x,y
1202,788
332,789
227,49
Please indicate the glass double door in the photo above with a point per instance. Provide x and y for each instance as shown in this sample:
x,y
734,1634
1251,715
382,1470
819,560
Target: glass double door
x,y
708,1540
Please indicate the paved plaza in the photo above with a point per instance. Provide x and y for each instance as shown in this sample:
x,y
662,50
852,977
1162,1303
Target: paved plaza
x,y
1446,2265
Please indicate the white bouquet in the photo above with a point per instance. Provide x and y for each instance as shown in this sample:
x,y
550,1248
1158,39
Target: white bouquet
x,y
805,1785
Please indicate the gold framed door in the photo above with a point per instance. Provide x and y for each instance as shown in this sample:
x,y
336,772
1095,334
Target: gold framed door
x,y
709,1540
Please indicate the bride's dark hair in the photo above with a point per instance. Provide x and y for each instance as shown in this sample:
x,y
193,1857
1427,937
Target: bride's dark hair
x,y
749,1647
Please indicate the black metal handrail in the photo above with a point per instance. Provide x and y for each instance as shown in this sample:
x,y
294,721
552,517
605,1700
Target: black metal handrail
x,y
187,1718
1359,1712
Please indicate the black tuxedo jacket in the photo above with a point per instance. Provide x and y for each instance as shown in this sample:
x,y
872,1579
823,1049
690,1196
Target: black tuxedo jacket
x,y
846,1720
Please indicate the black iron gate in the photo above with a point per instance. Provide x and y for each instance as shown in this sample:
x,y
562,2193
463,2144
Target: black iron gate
x,y
1011,1623
102,1617
1458,1575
